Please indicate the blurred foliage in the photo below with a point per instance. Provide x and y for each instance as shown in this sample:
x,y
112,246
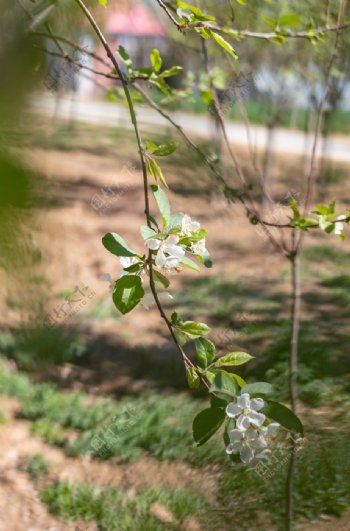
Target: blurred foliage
x,y
112,510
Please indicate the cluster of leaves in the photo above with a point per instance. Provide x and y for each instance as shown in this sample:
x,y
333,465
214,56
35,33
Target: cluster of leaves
x,y
327,219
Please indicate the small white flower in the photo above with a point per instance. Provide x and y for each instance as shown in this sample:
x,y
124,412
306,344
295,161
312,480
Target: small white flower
x,y
246,443
125,262
169,254
107,278
245,411
339,227
188,225
199,248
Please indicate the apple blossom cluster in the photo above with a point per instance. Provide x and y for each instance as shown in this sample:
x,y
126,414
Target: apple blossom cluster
x,y
170,250
250,438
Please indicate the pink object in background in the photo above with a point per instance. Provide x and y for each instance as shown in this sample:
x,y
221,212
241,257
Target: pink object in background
x,y
139,20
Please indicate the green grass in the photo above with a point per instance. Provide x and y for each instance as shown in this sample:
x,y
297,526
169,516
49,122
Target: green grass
x,y
155,424
112,510
36,466
322,483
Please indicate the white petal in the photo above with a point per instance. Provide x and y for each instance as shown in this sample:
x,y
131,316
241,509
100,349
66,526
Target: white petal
x,y
272,429
160,258
194,226
175,250
244,400
172,262
265,454
257,403
233,410
235,436
153,244
256,418
247,454
171,240
232,448
242,422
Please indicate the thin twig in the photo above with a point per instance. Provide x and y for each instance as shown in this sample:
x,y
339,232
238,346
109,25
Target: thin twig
x,y
111,56
167,11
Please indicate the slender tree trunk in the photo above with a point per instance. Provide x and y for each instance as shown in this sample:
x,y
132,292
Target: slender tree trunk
x,y
293,373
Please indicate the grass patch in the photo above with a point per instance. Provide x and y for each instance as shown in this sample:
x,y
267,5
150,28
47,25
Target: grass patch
x,y
322,483
113,511
36,466
156,424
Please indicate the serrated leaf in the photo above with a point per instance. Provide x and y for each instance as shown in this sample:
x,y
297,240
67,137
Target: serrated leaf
x,y
115,244
259,388
162,202
156,60
283,415
233,358
206,423
205,351
127,293
224,383
193,329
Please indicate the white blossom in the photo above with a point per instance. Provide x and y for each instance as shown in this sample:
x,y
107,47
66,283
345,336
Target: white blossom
x,y
246,411
339,227
169,254
188,225
125,262
246,443
106,277
199,248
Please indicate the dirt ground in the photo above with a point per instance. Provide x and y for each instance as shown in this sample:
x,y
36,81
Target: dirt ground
x,y
68,234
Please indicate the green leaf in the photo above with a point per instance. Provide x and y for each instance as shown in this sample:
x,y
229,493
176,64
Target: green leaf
x,y
283,415
156,60
290,20
127,293
165,149
206,423
193,379
205,259
124,56
233,358
215,401
205,351
224,44
193,329
162,202
159,277
156,171
175,222
238,379
103,2
173,71
270,21
116,245
258,388
147,232
190,264
224,383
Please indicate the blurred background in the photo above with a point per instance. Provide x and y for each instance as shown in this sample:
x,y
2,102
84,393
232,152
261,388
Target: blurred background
x,y
95,413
